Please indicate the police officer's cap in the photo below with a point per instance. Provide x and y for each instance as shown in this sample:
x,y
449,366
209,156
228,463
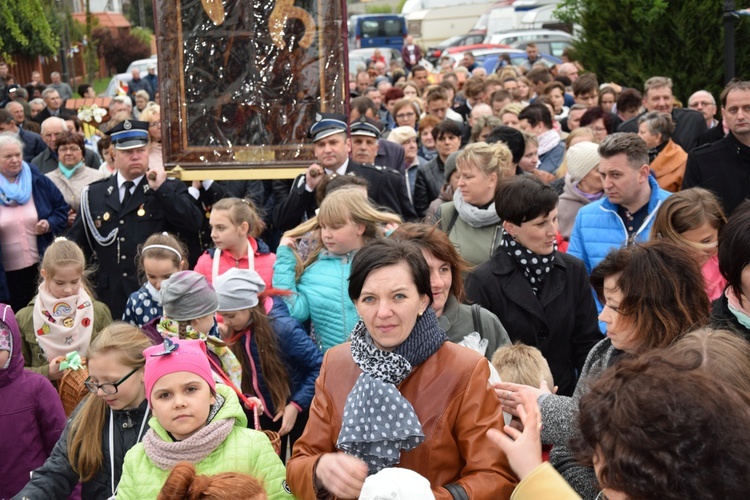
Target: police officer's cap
x,y
364,126
327,124
129,134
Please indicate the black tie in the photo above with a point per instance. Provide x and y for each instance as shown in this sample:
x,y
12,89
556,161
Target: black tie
x,y
128,185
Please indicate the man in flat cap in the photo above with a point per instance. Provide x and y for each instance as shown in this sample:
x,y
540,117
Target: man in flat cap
x,y
117,214
364,133
332,148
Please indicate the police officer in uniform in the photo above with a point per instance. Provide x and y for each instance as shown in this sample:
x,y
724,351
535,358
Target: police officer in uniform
x,y
297,203
118,213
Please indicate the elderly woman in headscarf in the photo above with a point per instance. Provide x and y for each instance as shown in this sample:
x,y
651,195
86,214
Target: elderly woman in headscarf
x,y
386,398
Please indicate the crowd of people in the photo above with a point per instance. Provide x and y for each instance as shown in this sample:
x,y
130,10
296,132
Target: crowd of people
x,y
519,285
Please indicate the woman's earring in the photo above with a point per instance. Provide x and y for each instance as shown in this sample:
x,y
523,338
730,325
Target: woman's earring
x,y
420,313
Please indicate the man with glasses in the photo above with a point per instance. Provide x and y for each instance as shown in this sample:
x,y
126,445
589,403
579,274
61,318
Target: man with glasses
x,y
703,102
48,160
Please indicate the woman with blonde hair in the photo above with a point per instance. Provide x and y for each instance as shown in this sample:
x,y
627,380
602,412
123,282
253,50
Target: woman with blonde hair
x,y
110,421
509,115
152,114
347,221
63,316
470,220
693,220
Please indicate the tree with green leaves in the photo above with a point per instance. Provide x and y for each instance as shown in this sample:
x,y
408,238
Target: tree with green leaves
x,y
628,41
25,29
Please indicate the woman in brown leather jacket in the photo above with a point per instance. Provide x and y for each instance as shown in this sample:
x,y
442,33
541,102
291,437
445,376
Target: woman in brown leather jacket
x,y
399,394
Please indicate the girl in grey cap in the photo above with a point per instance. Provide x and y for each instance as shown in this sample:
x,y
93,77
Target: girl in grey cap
x,y
190,306
279,360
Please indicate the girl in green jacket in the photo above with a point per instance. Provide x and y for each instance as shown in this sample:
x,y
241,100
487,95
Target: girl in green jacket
x,y
198,421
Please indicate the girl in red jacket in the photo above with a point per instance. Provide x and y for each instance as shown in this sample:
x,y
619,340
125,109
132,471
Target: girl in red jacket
x,y
235,224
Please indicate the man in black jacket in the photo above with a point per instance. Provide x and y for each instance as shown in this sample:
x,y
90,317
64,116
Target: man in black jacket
x,y
724,166
53,107
119,213
688,124
332,147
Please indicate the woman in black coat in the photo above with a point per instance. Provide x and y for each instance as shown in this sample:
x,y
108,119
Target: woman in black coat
x,y
541,296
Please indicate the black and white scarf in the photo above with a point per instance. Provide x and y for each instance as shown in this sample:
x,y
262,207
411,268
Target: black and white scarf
x,y
535,267
379,422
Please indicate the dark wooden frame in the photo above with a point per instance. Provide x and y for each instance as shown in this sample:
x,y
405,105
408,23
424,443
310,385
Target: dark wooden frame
x,y
331,54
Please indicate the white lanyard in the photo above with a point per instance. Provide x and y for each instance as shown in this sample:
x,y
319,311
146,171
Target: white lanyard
x,y
112,447
217,258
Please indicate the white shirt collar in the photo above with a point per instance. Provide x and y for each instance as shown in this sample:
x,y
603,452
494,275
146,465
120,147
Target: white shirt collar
x,y
121,180
342,169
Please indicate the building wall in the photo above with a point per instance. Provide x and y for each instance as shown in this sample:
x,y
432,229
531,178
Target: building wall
x,y
97,6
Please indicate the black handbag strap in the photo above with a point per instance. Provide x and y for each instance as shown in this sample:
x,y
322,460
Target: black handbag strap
x,y
457,491
475,308
452,222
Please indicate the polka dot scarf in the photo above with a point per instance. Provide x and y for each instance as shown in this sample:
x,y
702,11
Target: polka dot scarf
x,y
379,422
535,267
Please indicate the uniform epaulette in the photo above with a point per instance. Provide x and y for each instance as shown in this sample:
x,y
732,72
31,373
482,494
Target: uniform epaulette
x,y
99,181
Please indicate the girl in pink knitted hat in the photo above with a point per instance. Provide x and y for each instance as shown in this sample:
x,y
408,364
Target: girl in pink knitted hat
x,y
195,420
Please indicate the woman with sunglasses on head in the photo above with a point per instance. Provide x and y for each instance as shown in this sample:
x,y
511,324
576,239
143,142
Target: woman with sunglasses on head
x,y
110,421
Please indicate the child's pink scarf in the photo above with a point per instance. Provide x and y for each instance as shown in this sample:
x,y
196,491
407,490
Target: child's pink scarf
x,y
166,454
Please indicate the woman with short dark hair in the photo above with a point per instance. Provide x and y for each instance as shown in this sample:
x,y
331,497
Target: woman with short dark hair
x,y
541,296
71,174
599,121
732,309
643,428
427,399
652,294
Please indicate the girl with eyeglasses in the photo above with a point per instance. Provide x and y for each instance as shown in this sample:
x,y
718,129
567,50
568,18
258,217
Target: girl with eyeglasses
x,y
64,316
110,421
